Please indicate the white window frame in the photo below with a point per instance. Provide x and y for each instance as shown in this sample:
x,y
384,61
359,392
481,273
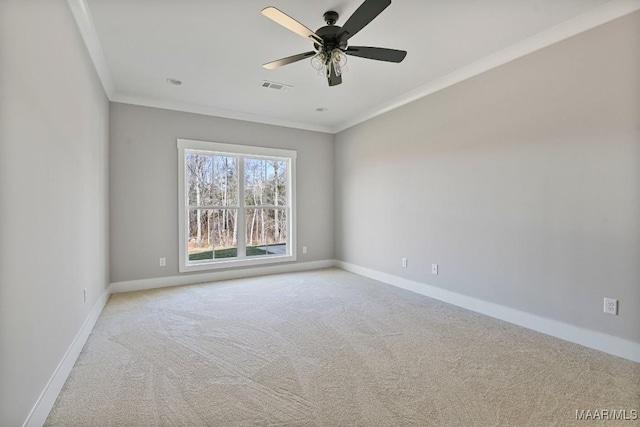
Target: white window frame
x,y
240,151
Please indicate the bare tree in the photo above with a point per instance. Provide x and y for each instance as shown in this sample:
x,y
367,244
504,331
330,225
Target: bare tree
x,y
199,168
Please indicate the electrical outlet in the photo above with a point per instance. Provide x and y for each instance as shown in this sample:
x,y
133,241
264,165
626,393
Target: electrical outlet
x,y
163,262
611,306
434,268
304,249
84,294
404,262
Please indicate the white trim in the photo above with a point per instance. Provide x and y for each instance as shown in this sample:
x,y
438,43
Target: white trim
x,y
191,279
166,104
87,28
234,149
589,338
240,261
47,399
600,15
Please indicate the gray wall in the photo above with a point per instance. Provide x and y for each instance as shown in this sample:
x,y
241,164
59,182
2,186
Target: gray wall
x,y
522,183
53,196
144,184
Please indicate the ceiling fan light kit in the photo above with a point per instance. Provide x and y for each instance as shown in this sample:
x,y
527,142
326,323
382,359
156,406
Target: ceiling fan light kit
x,y
330,43
325,63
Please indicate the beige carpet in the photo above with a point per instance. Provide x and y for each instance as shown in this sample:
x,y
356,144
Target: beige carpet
x,y
328,348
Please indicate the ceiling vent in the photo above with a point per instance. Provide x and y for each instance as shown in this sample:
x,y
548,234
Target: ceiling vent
x,y
276,86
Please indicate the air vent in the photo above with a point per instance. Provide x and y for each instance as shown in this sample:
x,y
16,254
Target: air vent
x,y
276,86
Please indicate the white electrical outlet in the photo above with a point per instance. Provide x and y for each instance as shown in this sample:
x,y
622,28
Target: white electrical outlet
x,y
404,262
304,249
611,306
163,262
434,268
84,294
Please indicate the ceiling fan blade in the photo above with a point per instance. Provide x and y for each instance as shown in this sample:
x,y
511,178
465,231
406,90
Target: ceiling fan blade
x,y
333,78
377,53
362,16
288,60
291,24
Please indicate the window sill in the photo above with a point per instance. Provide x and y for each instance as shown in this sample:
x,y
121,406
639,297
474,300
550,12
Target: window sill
x,y
245,262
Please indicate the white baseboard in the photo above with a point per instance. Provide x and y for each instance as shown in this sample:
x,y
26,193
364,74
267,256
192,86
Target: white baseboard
x,y
597,340
191,279
47,399
588,338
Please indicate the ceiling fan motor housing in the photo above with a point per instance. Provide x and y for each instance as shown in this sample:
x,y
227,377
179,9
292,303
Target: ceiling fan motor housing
x,y
329,36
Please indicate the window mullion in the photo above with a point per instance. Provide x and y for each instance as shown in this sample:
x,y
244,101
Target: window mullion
x,y
242,228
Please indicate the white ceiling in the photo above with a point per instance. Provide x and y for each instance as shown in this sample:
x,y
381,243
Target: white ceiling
x,y
216,48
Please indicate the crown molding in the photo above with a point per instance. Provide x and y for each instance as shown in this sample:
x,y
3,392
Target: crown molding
x,y
600,15
87,28
217,112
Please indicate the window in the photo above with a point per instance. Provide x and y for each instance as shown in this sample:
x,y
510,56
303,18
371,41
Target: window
x,y
237,205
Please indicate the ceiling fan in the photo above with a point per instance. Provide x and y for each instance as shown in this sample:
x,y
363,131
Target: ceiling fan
x,y
330,42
